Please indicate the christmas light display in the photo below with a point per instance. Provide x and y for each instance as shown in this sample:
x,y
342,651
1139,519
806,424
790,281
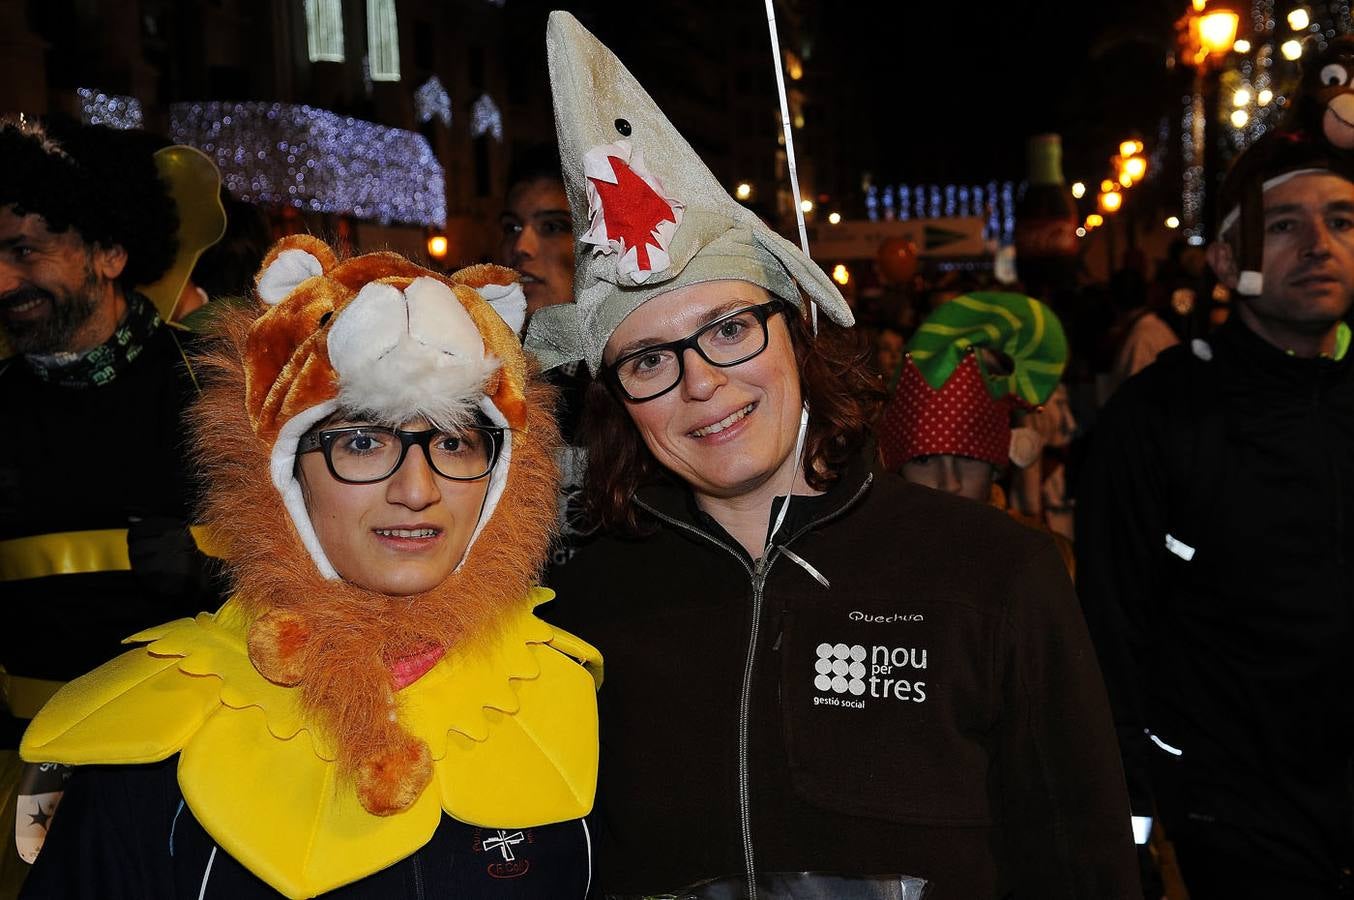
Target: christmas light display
x,y
324,30
994,203
313,159
98,108
485,118
383,41
432,102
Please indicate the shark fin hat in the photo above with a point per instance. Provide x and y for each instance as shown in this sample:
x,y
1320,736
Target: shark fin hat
x,y
950,400
649,217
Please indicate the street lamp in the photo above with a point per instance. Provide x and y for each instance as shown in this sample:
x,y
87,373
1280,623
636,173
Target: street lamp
x,y
1217,31
1208,33
437,246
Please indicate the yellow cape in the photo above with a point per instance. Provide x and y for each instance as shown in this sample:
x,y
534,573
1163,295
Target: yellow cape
x,y
512,730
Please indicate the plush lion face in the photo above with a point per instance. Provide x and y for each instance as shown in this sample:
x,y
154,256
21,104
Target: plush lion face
x,y
385,340
379,336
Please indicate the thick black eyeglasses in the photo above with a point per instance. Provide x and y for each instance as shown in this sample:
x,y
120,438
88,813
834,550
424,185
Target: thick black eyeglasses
x,y
363,454
731,339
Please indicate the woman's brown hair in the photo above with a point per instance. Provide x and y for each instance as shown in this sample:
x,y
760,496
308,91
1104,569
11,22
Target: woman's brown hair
x,y
843,393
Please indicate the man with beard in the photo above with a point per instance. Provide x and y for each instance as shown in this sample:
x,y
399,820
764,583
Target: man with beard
x,y
94,496
1215,560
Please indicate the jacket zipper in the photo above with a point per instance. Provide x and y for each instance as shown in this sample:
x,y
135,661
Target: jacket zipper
x,y
418,878
744,813
758,576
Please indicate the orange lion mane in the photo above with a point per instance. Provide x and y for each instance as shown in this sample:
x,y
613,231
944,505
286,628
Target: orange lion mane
x,y
331,639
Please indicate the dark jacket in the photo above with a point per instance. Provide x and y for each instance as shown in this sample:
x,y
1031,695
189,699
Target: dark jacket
x,y
110,456
972,745
1233,649
124,833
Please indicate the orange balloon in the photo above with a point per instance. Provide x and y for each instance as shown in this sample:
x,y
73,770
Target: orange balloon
x,y
898,260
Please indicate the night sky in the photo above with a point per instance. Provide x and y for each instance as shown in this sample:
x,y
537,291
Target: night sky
x,y
960,86
945,91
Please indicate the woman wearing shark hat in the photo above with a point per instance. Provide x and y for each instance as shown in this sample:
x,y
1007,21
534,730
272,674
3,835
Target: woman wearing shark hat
x,y
872,682
376,712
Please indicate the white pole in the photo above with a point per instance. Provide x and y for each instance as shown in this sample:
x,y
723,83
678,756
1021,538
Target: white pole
x,y
789,141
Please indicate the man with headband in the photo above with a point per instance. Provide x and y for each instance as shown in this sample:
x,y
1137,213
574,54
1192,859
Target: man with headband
x,y
1214,544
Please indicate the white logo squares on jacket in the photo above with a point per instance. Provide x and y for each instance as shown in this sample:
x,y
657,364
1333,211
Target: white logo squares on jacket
x,y
848,671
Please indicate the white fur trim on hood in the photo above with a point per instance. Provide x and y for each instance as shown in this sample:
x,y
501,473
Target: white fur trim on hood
x,y
404,354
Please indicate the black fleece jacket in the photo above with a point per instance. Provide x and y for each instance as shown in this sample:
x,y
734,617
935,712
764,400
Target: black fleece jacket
x,y
125,833
1233,648
963,735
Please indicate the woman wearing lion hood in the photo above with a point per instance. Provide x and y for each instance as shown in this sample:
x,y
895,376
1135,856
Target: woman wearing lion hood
x,y
376,712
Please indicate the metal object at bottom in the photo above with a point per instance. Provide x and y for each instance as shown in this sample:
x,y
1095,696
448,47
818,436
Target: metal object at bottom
x,y
798,886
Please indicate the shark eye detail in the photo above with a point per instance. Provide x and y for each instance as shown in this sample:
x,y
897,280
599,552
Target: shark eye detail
x,y
1334,74
624,127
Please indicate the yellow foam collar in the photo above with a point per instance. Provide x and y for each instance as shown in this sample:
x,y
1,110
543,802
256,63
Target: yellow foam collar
x,y
512,729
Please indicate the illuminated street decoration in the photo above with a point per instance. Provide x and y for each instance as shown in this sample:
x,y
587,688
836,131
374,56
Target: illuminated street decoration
x,y
313,159
995,203
485,118
431,102
383,40
324,30
98,108
1191,151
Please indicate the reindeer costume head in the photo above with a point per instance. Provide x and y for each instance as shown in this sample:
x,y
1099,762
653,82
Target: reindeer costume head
x,y
382,340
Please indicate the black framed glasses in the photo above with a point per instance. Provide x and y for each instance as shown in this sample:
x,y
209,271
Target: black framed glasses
x,y
650,372
363,454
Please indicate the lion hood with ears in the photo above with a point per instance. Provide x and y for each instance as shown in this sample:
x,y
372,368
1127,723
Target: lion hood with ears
x,y
499,726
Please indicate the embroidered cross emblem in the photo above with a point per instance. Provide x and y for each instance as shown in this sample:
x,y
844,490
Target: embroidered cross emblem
x,y
503,843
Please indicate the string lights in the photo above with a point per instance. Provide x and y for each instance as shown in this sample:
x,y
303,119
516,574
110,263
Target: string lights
x,y
313,159
1191,152
383,41
485,118
995,203
432,102
98,108
324,30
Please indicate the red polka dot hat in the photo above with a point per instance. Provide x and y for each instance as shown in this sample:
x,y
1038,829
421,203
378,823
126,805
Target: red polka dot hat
x,y
951,399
